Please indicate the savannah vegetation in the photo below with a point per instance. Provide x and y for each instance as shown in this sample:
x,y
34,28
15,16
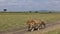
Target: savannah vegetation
x,y
12,20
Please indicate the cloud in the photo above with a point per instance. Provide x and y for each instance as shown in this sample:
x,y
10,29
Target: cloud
x,y
30,4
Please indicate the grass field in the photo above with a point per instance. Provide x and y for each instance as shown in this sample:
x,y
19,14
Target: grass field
x,y
14,20
53,32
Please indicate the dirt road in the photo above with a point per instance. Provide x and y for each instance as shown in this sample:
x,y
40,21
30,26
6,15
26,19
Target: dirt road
x,y
49,27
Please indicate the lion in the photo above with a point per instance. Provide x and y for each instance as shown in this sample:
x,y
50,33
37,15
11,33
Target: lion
x,y
35,24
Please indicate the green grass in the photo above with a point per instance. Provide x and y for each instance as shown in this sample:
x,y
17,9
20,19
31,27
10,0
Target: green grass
x,y
53,32
14,20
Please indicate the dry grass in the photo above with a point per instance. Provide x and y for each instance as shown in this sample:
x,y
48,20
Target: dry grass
x,y
14,20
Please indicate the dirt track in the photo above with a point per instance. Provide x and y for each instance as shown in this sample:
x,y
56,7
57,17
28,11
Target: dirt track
x,y
49,27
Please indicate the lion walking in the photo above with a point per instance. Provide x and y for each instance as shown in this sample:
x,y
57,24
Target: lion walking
x,y
35,24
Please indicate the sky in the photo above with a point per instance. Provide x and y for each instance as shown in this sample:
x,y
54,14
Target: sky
x,y
27,5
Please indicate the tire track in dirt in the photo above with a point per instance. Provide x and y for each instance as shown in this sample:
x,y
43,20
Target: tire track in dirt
x,y
23,30
50,27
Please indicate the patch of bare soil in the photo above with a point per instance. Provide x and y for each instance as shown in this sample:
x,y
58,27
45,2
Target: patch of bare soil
x,y
49,27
